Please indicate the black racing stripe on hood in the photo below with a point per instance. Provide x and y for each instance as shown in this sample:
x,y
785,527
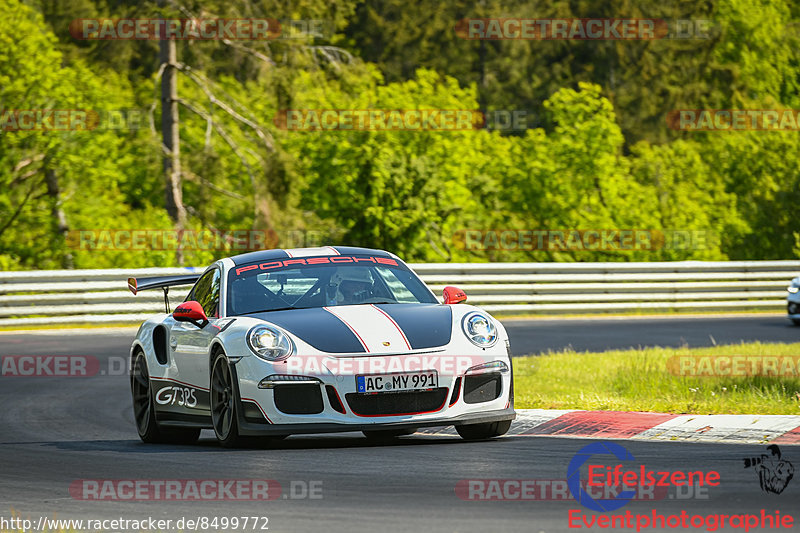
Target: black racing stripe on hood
x,y
424,325
317,327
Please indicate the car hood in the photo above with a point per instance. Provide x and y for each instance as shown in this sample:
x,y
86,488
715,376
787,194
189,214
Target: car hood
x,y
368,328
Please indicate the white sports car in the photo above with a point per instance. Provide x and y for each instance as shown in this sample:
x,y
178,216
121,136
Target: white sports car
x,y
313,340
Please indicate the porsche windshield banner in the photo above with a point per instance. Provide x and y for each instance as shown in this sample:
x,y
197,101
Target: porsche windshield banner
x,y
315,261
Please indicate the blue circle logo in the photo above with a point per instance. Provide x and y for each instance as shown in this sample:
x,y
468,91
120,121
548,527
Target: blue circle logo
x,y
574,477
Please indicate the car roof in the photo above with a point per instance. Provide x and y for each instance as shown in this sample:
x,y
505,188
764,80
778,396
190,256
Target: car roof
x,y
268,255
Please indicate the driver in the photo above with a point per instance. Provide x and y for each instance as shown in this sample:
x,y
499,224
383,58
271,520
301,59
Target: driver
x,y
352,286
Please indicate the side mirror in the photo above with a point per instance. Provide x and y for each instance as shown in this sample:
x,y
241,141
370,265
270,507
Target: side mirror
x,y
191,311
453,295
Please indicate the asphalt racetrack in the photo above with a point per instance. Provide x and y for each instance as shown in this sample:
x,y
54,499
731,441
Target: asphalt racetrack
x,y
600,334
57,432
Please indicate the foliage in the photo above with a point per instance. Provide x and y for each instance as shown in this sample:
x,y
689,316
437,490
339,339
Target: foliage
x,y
596,154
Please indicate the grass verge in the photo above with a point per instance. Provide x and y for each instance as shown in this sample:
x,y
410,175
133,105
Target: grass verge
x,y
640,380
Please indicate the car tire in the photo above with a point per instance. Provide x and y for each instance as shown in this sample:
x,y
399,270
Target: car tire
x,y
483,431
384,435
796,321
224,401
150,431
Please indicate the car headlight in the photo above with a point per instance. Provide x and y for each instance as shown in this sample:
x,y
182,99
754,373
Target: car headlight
x,y
270,343
794,286
480,329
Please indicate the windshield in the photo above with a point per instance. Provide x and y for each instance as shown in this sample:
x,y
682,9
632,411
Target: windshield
x,y
322,282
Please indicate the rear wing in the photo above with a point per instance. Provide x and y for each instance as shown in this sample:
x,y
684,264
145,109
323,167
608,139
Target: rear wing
x,y
161,282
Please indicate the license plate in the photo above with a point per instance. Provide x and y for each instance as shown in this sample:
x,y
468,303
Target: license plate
x,y
407,381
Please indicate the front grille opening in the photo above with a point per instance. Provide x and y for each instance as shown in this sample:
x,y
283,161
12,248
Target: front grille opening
x,y
333,399
397,403
298,399
456,391
483,387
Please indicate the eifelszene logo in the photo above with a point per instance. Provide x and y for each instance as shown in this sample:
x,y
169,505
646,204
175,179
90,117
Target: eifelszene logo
x,y
774,472
621,477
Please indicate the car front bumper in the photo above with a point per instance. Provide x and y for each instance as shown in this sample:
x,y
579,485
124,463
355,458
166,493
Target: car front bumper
x,y
255,429
331,403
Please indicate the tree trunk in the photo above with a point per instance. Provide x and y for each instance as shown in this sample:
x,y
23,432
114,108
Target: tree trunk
x,y
171,138
54,192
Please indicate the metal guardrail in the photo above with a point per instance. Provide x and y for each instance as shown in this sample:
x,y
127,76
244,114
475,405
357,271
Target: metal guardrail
x,y
100,296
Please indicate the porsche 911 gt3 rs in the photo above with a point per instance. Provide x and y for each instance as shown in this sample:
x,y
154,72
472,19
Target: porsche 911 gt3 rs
x,y
279,342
